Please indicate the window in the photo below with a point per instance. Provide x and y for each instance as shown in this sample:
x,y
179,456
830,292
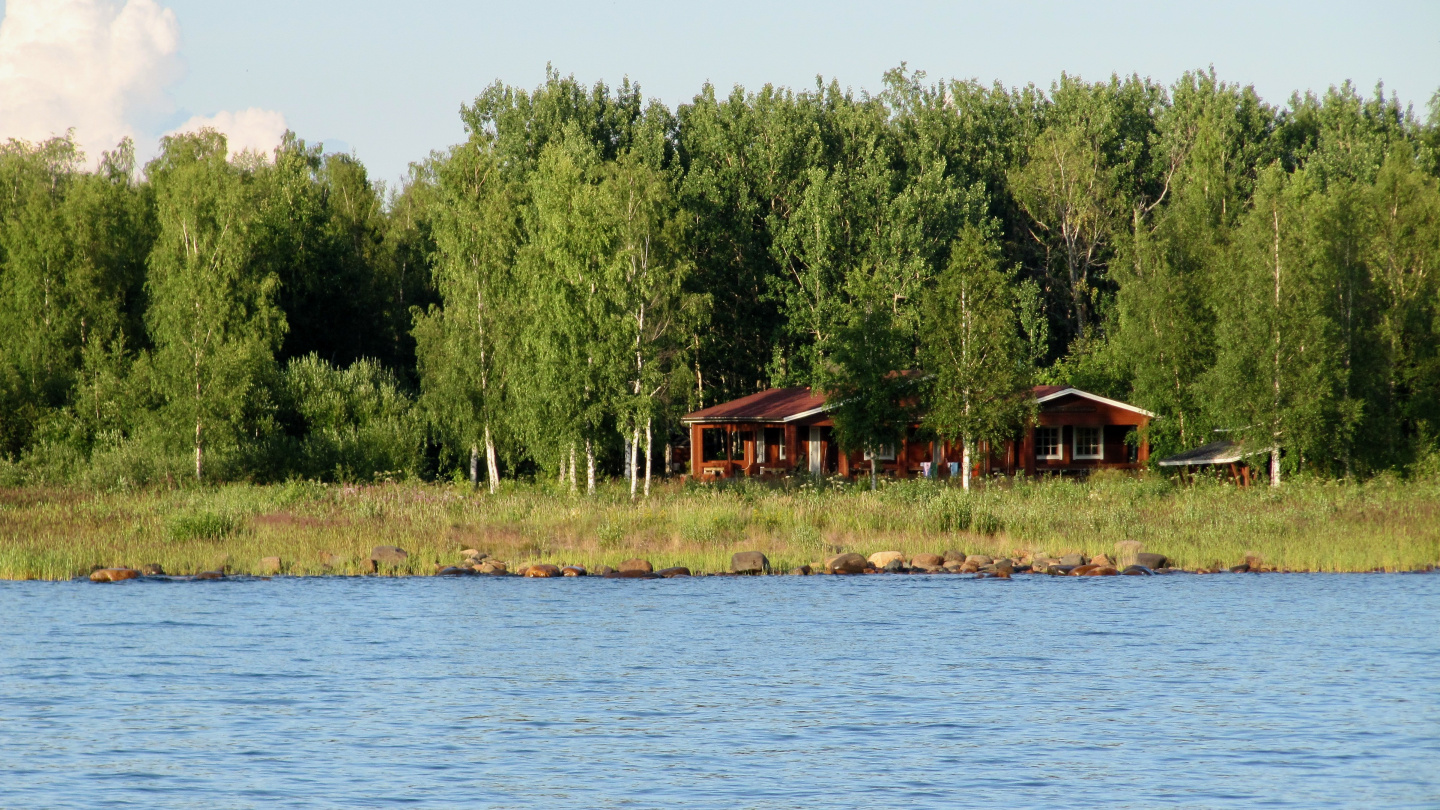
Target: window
x,y
776,437
712,444
1047,443
1088,443
887,453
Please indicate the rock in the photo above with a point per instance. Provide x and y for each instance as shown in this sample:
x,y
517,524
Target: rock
x,y
542,570
1102,560
1101,571
636,565
1125,552
894,567
749,562
1004,568
1072,560
604,571
210,575
880,559
152,570
927,561
113,574
329,560
980,560
671,573
802,571
969,567
1082,570
1240,569
388,555
846,564
453,571
269,565
472,552
631,574
573,571
954,556
954,565
1151,560
1137,571
492,567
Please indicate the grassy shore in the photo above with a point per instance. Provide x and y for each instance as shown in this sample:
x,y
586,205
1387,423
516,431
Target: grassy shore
x,y
1384,524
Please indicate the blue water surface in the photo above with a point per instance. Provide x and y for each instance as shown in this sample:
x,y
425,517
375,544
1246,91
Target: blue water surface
x,y
1305,691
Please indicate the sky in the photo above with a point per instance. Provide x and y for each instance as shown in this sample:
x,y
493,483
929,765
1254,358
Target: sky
x,y
385,80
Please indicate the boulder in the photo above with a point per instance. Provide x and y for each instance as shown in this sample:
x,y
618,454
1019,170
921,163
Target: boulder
x,y
671,573
636,565
969,567
269,565
927,561
749,562
1082,570
573,571
1137,571
980,560
954,565
880,559
1240,569
491,567
604,571
1151,560
453,571
329,560
152,570
1004,568
388,555
1125,552
1102,560
802,571
113,574
631,574
846,564
472,552
210,575
1072,560
954,556
542,570
1101,571
894,567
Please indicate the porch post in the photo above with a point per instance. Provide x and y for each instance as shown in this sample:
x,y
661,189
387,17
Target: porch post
x,y
697,447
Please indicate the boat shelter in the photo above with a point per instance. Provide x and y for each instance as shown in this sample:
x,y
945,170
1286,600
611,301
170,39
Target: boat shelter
x,y
788,430
1222,455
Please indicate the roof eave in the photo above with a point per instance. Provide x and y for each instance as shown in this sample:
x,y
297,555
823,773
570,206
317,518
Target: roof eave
x,y
1095,397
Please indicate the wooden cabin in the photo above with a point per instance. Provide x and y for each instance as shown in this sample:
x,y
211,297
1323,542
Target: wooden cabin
x,y
787,430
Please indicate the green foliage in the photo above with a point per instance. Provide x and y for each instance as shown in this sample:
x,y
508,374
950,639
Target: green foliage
x,y
202,526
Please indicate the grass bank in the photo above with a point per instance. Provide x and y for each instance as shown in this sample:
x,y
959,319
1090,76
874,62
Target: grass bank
x,y
1306,525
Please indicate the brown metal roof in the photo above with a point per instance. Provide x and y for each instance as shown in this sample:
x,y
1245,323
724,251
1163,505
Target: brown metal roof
x,y
1221,452
774,405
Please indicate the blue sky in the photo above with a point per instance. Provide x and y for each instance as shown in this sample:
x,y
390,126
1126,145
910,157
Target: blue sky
x,y
386,79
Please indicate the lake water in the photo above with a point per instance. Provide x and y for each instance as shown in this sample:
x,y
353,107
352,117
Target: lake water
x,y
1304,691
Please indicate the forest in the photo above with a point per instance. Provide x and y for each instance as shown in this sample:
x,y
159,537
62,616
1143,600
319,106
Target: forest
x,y
545,300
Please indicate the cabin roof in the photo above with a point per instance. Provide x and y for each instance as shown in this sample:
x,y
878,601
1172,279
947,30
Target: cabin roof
x,y
773,405
1221,452
1050,393
791,404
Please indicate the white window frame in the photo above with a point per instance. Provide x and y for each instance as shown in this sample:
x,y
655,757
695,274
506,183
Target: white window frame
x,y
1099,455
782,444
887,453
1059,442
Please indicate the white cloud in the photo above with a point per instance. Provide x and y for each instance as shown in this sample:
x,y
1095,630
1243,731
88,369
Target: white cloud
x,y
254,129
103,68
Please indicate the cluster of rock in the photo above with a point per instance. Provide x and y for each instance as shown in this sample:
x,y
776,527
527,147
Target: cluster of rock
x,y
474,562
150,570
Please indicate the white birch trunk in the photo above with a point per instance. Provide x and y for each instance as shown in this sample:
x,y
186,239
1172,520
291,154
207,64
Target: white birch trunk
x,y
965,463
474,465
574,484
634,461
492,464
589,468
649,454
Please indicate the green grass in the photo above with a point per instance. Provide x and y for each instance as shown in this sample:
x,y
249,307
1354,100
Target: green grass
x,y
1306,525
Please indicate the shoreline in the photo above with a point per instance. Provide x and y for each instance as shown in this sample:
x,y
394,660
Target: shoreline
x,y
307,528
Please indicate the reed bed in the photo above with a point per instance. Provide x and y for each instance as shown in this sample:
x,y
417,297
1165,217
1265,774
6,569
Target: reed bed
x,y
1384,524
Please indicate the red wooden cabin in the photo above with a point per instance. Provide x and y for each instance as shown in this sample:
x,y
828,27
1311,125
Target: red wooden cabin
x,y
786,430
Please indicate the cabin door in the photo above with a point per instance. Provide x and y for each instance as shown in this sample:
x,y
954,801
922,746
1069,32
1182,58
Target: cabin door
x,y
815,458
